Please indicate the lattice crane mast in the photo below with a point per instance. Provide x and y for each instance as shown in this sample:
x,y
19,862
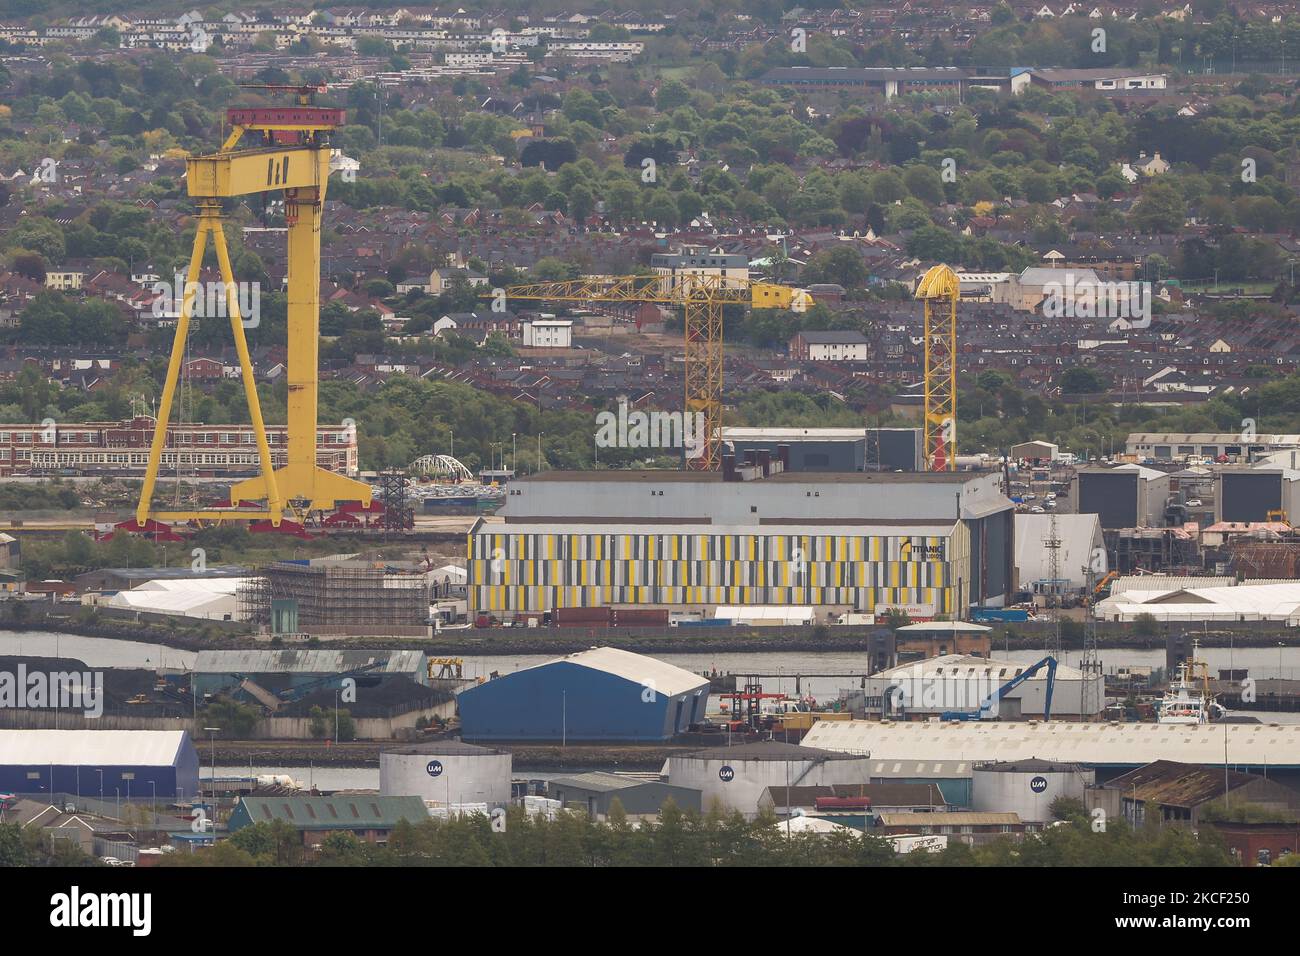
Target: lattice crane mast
x,y
940,290
701,298
278,149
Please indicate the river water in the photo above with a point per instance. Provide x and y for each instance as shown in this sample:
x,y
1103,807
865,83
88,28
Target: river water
x,y
778,670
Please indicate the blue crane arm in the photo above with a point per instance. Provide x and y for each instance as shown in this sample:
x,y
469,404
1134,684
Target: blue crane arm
x,y
1049,662
986,707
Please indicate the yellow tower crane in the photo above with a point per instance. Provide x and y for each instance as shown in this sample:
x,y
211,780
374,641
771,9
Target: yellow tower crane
x,y
939,290
290,155
702,298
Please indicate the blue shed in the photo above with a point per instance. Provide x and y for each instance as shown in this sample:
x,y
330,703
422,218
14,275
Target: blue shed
x,y
94,763
600,694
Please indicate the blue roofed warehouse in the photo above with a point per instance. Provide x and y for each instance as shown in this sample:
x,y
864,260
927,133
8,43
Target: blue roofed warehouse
x,y
99,763
600,694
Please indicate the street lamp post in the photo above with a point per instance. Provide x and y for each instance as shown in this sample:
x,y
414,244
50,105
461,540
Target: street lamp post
x,y
212,743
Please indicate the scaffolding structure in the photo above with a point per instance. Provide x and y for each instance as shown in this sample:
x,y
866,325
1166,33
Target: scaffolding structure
x,y
305,598
1151,550
399,514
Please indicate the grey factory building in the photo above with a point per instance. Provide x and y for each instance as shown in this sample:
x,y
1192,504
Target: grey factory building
x,y
929,543
1129,496
1252,494
835,449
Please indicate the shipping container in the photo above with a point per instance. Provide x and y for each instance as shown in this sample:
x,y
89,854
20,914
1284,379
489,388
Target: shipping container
x,y
641,616
581,616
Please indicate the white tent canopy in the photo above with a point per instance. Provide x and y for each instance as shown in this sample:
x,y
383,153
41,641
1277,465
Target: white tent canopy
x,y
1253,602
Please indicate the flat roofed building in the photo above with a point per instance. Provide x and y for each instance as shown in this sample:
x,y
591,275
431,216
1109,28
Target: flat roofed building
x,y
1105,79
832,541
1109,748
833,449
887,81
122,448
1128,496
548,333
1178,446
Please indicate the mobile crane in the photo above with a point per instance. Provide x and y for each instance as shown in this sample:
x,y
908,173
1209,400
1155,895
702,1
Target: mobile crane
x,y
989,708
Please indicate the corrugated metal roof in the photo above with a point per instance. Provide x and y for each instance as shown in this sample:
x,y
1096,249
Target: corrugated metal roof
x,y
336,813
1176,784
302,661
943,818
665,679
68,748
598,781
880,794
766,750
1092,744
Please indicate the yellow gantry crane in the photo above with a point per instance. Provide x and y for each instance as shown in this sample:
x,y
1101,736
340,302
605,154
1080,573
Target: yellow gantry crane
x,y
940,290
702,298
289,153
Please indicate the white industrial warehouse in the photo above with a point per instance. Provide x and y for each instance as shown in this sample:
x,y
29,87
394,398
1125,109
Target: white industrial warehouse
x,y
1272,746
1278,602
959,682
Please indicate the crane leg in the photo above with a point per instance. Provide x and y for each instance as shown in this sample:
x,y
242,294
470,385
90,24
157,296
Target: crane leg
x,y
173,374
702,320
301,479
269,489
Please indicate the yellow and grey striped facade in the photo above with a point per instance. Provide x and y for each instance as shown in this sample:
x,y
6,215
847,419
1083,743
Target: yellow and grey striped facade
x,y
521,567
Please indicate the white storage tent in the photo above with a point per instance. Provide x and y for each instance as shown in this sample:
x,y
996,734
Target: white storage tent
x,y
1250,602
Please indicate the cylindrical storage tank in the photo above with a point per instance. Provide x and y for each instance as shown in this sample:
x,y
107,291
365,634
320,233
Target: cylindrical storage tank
x,y
446,772
1027,787
735,777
